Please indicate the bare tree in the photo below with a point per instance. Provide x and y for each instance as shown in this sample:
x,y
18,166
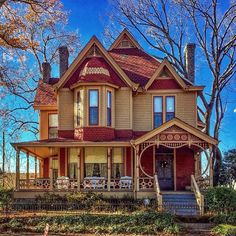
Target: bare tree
x,y
167,25
42,31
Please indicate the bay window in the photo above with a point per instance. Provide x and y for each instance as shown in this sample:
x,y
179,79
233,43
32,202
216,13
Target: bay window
x,y
79,106
157,111
108,108
93,107
52,126
170,107
95,162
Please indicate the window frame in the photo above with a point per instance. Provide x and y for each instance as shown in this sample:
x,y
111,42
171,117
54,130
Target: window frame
x,y
78,109
166,97
50,127
162,113
109,109
89,113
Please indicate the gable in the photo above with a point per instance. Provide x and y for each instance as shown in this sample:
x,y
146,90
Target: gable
x,y
94,48
125,40
175,126
166,72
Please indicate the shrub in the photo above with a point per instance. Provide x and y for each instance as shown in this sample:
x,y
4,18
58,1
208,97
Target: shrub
x,y
225,230
222,218
221,199
6,198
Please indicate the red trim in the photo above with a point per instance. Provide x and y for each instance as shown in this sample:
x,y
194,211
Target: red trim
x,y
62,161
128,162
66,134
46,168
124,133
164,84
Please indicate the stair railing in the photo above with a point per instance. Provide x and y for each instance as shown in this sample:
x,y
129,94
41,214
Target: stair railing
x,y
199,197
158,193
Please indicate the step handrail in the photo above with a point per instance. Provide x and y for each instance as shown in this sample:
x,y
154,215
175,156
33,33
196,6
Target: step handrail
x,y
198,195
158,192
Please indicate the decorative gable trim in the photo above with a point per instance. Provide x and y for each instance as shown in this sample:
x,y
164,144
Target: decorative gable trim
x,y
79,59
190,129
166,63
125,32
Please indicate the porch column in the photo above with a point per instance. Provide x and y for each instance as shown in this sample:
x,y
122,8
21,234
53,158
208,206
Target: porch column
x,y
17,169
211,165
109,152
40,168
27,169
51,173
137,167
78,168
35,167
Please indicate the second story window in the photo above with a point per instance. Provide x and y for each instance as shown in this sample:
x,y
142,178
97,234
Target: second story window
x,y
157,111
52,126
170,107
79,109
93,107
108,108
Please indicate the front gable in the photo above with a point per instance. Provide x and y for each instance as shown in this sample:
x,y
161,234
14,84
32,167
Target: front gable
x,y
94,46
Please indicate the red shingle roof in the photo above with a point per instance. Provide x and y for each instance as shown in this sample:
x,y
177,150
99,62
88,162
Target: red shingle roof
x,y
138,65
45,95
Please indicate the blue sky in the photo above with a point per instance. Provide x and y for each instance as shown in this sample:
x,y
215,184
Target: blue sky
x,y
90,17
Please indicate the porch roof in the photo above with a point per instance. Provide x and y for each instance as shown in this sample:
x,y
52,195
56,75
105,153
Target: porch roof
x,y
179,123
43,148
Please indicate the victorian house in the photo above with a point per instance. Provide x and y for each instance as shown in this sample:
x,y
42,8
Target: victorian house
x,y
120,122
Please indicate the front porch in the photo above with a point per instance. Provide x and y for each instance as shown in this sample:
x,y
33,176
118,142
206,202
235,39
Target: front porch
x,y
168,158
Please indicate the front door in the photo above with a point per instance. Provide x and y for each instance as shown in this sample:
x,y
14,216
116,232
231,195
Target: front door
x,y
164,168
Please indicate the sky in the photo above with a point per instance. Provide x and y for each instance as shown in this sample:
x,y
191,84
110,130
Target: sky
x,y
90,17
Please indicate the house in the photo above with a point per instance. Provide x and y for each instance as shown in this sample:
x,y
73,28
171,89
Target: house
x,y
120,122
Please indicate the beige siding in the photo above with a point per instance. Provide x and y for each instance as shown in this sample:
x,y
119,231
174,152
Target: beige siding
x,y
66,110
142,112
186,107
123,109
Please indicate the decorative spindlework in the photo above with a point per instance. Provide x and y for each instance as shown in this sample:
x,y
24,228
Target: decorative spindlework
x,y
94,71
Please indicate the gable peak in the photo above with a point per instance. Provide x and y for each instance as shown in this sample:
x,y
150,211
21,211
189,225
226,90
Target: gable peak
x,y
125,40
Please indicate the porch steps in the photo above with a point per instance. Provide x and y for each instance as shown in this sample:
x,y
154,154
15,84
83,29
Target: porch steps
x,y
182,204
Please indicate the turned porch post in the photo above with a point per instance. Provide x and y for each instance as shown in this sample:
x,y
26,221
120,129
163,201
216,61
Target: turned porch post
x,y
137,167
211,165
51,173
17,169
35,167
27,169
78,168
109,152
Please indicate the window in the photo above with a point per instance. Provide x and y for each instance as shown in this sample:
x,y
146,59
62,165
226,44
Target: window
x,y
93,107
117,163
73,163
52,126
79,108
158,111
54,168
170,107
108,108
95,162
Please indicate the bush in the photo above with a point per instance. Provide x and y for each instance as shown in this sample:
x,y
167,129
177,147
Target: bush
x,y
221,199
148,222
222,218
225,230
6,199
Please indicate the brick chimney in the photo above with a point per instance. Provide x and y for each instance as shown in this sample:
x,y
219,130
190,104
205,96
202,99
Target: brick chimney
x,y
46,72
189,56
63,57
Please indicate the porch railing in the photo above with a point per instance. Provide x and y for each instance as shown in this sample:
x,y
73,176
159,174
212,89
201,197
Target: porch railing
x,y
116,184
199,197
158,192
146,183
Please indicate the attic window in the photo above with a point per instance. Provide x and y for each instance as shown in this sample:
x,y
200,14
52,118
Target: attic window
x,y
94,51
125,44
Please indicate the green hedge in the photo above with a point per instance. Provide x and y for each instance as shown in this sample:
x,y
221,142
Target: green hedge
x,y
220,199
225,230
6,199
148,222
222,218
